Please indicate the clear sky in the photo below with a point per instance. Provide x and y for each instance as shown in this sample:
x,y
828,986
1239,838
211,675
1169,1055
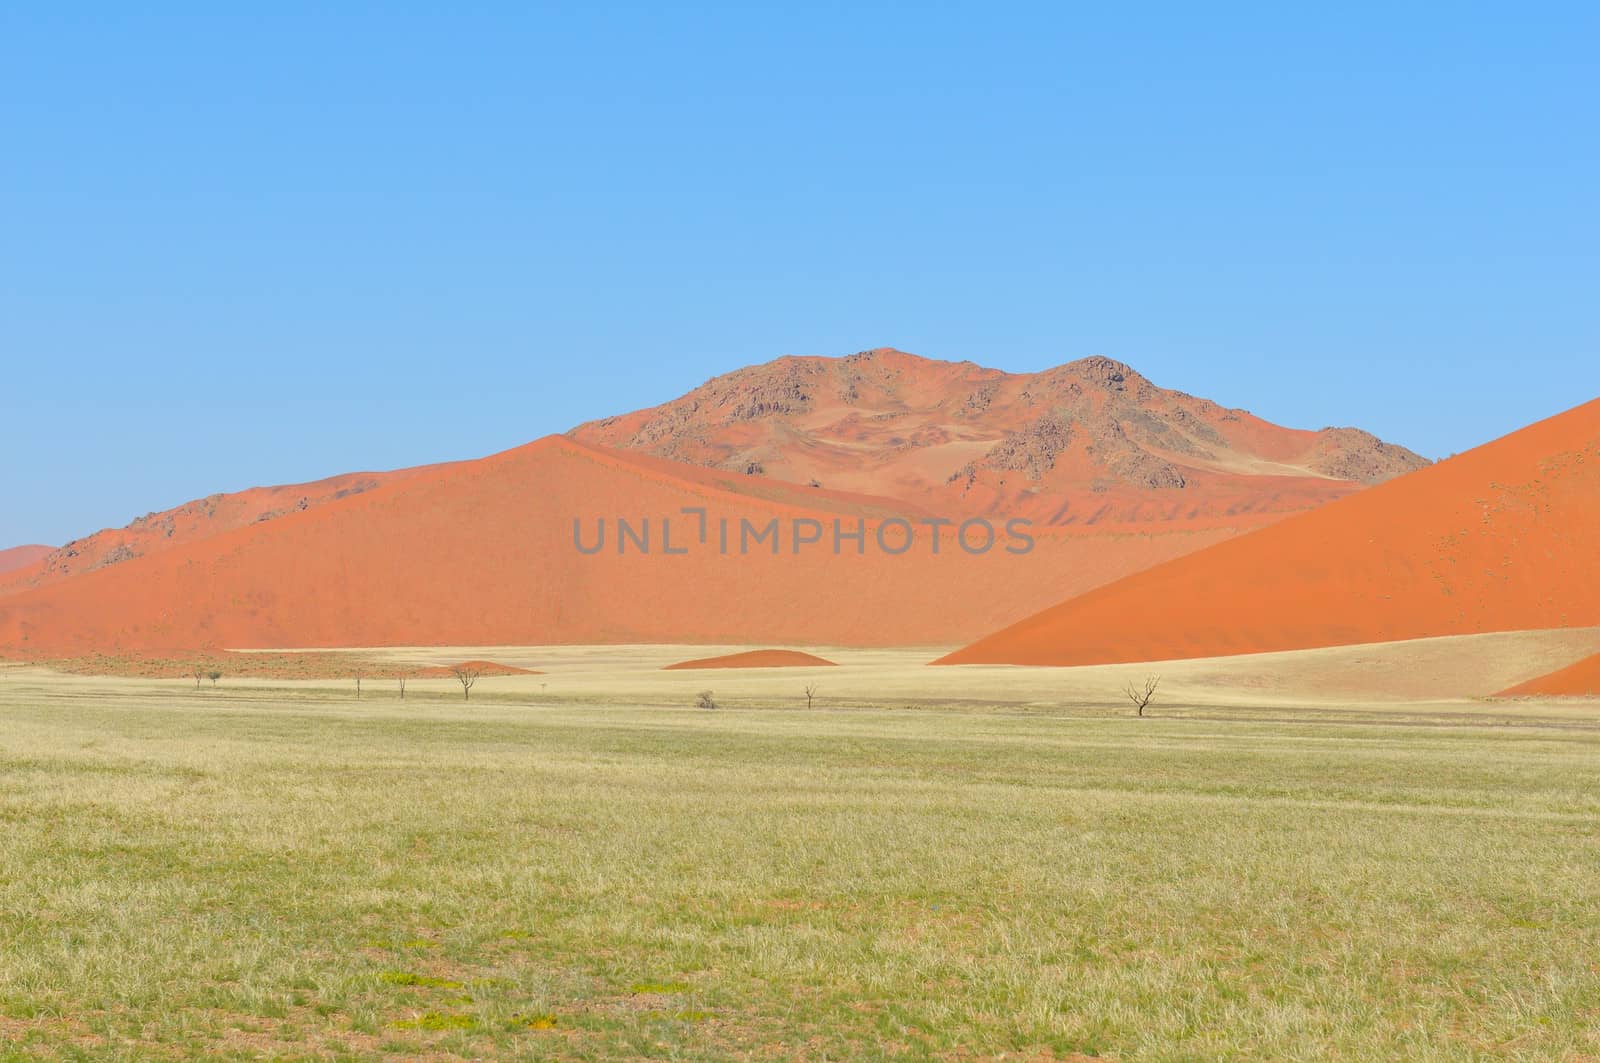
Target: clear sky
x,y
242,248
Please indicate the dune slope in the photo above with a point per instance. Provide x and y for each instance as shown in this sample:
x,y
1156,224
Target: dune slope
x,y
1576,680
1501,538
190,522
754,659
483,553
18,557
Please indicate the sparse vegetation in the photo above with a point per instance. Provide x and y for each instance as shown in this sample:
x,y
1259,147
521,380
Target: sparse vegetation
x,y
277,665
466,675
1141,695
705,700
603,882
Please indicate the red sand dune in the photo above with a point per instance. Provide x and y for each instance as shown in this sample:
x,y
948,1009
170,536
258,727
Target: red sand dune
x,y
483,668
1088,442
1579,680
755,659
22,556
1501,538
481,553
187,523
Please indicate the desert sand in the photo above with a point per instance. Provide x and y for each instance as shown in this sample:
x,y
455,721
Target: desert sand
x,y
1501,538
755,659
1452,675
482,667
484,553
18,557
188,523
1581,679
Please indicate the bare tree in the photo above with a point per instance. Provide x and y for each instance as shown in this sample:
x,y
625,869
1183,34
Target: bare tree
x,y
358,686
811,692
213,675
199,674
466,677
1141,697
705,700
402,688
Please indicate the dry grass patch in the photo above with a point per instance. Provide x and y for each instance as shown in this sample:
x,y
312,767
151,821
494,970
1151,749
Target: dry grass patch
x,y
298,875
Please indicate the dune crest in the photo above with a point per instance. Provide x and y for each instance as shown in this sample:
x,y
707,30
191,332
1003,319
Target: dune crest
x,y
190,522
19,557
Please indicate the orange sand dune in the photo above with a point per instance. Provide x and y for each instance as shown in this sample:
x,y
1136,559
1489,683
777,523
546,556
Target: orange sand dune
x,y
1498,539
1581,679
755,659
187,523
482,553
21,557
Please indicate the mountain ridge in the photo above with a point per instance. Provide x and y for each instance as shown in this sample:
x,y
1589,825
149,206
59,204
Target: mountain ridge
x,y
1088,440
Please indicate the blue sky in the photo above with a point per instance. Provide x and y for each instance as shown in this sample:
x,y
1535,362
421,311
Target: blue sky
x,y
245,248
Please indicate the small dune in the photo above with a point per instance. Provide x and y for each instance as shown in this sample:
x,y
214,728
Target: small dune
x,y
756,659
483,668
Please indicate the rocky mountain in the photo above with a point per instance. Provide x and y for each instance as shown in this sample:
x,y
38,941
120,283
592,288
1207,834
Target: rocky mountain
x,y
1086,442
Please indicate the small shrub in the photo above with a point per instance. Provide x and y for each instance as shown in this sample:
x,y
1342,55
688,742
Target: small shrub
x,y
705,700
422,980
435,1020
541,1021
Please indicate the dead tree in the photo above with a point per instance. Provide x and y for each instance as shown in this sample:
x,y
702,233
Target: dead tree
x,y
1141,696
811,692
199,674
402,688
358,686
466,677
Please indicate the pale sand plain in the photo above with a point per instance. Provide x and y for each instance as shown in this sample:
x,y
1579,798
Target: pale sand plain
x,y
1452,675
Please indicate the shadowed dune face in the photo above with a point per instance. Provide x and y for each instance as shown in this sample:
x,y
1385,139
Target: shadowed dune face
x,y
19,557
1576,680
1501,538
1088,442
755,659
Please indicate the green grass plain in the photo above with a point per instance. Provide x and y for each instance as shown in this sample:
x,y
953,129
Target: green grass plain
x,y
287,873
